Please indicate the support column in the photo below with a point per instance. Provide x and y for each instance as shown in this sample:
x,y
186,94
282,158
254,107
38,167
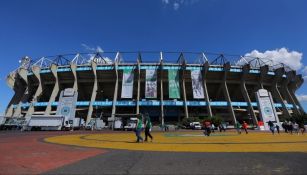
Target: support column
x,y
73,68
14,82
161,89
115,88
296,82
139,86
55,90
186,111
245,71
226,92
207,98
278,76
285,84
94,92
39,90
23,73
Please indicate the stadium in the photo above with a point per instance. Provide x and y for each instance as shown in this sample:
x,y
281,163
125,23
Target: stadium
x,y
169,86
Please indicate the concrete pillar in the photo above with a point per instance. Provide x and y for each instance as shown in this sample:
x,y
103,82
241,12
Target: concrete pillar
x,y
94,93
286,91
115,88
138,88
73,68
226,92
39,90
23,73
161,93
55,90
207,98
296,82
245,72
277,79
186,111
11,82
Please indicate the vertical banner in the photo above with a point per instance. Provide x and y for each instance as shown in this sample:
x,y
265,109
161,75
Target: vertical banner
x,y
127,83
173,84
151,83
197,84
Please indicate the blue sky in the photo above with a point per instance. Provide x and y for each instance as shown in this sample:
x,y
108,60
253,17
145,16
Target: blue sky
x,y
38,28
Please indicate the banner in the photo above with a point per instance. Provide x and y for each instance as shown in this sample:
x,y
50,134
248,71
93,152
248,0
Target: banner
x,y
197,84
127,83
173,84
151,83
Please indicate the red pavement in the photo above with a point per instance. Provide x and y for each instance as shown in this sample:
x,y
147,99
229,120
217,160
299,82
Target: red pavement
x,y
25,153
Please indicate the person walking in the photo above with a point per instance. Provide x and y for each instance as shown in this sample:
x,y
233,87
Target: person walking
x,y
245,127
277,128
302,127
148,126
285,126
238,127
139,128
271,125
207,125
295,128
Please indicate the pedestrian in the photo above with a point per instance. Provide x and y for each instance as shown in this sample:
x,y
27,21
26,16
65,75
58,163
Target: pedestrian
x,y
295,128
271,126
238,127
277,128
138,129
148,126
290,127
302,127
207,125
245,127
222,127
285,126
212,127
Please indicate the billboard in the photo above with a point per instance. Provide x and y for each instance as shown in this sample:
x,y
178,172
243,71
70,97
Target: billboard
x,y
197,84
173,84
67,104
127,83
151,83
267,108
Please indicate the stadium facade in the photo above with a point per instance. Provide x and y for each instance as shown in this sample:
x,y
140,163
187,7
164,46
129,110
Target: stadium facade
x,y
168,92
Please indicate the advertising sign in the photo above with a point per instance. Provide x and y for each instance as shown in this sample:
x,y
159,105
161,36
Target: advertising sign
x,y
173,84
127,83
267,108
151,83
67,104
197,84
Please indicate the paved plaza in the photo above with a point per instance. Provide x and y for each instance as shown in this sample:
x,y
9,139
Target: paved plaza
x,y
181,152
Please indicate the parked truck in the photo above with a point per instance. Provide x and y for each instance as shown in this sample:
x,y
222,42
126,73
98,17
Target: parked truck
x,y
45,122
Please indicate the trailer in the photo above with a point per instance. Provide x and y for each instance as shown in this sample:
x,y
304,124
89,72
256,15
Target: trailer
x,y
46,122
11,123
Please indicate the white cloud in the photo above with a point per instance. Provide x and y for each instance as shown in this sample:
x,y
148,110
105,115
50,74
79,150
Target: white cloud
x,y
176,4
293,59
305,78
92,49
92,56
302,97
165,1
